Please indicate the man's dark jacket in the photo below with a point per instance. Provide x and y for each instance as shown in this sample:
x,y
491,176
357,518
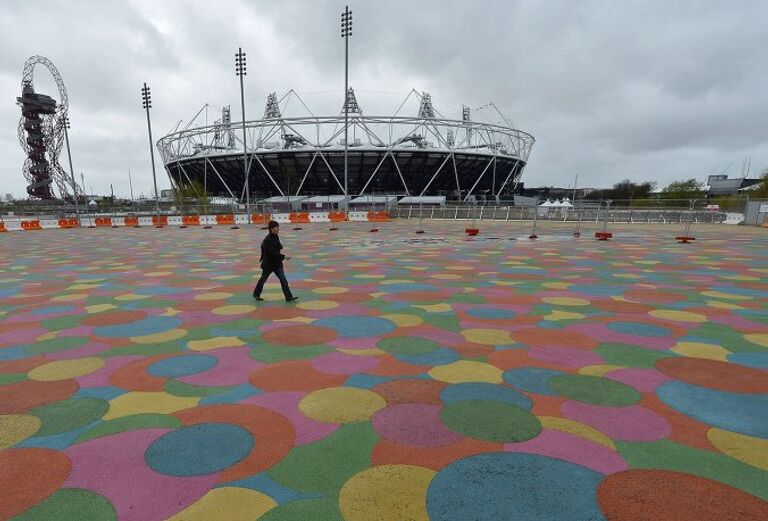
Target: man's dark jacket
x,y
271,257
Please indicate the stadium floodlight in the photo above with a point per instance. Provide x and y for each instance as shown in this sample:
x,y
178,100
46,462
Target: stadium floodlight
x,y
240,71
346,32
65,124
146,102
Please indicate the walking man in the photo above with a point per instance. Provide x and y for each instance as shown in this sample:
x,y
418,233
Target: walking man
x,y
272,262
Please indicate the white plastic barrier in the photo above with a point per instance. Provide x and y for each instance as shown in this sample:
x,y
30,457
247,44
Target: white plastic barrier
x,y
87,221
207,220
13,226
175,220
242,218
733,218
319,217
49,224
358,216
118,221
282,218
145,221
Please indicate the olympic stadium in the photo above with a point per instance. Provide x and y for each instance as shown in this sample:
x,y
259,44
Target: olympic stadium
x,y
421,153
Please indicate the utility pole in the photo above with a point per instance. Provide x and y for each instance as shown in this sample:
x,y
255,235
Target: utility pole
x,y
130,185
346,32
240,71
71,171
146,102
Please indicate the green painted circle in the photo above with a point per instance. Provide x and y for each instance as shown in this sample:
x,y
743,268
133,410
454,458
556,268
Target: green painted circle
x,y
71,503
490,420
66,415
408,345
594,390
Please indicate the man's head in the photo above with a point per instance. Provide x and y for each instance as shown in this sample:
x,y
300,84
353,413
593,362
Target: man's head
x,y
274,227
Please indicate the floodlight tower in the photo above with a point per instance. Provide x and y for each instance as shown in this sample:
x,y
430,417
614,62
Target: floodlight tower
x,y
146,102
346,32
240,71
65,124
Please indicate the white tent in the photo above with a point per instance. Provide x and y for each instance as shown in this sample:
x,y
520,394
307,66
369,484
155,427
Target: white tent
x,y
546,204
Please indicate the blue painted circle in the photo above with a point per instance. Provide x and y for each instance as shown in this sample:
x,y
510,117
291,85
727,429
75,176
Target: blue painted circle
x,y
198,450
491,313
531,379
182,365
351,326
507,485
484,391
440,356
757,360
145,326
639,329
742,413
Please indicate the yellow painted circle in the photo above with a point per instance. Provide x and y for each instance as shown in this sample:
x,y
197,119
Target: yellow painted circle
x,y
446,276
70,297
213,296
157,338
17,427
66,369
403,320
557,285
233,309
488,337
330,290
158,273
750,450
318,305
387,492
230,503
566,301
466,371
760,339
677,316
218,342
139,402
726,296
369,276
701,350
341,404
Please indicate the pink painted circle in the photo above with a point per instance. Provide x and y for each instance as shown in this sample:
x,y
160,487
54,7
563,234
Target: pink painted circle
x,y
414,424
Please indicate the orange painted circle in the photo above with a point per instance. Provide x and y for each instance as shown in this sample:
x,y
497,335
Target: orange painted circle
x,y
554,338
620,306
27,476
276,313
302,335
411,391
714,374
297,375
113,318
635,495
652,296
23,396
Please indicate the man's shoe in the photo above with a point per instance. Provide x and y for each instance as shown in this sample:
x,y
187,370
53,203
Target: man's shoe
x,y
258,298
291,299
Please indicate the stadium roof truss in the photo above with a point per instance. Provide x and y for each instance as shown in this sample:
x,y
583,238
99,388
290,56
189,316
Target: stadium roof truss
x,y
394,135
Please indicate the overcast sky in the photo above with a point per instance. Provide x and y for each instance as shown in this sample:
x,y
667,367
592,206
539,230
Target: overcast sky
x,y
646,90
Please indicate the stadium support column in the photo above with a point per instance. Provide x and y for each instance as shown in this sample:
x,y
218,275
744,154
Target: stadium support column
x,y
146,102
240,71
346,32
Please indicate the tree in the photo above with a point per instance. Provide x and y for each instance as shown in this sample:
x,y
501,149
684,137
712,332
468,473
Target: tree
x,y
761,192
193,190
624,191
683,190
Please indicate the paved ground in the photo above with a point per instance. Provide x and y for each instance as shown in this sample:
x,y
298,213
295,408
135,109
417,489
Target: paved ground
x,y
418,377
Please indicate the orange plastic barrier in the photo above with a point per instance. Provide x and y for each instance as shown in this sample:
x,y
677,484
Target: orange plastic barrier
x,y
260,218
378,216
2,228
68,223
131,221
104,222
190,220
299,218
159,220
337,217
225,219
31,225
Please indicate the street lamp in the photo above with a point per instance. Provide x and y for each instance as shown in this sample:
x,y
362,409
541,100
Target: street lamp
x,y
346,32
146,102
65,121
240,71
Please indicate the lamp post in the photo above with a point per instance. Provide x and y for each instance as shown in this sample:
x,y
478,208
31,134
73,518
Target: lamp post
x,y
346,32
240,71
71,171
146,102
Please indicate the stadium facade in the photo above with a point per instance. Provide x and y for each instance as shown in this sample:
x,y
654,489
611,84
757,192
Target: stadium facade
x,y
422,154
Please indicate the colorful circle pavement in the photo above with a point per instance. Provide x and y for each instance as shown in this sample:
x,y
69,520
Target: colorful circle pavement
x,y
418,377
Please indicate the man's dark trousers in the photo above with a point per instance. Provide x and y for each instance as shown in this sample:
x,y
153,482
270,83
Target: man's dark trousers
x,y
265,273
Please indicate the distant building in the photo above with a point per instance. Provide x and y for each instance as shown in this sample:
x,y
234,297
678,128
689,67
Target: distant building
x,y
166,194
720,185
8,198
